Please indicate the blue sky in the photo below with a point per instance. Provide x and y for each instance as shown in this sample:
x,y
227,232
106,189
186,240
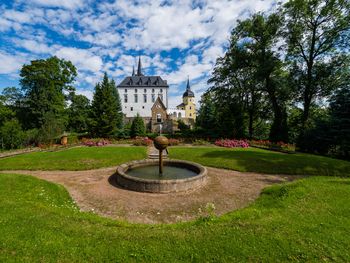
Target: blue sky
x,y
175,39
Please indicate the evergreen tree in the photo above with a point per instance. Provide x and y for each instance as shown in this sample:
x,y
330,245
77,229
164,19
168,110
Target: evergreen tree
x,y
78,113
137,127
340,121
118,104
105,110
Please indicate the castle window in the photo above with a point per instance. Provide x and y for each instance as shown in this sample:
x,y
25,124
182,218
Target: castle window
x,y
179,114
190,108
136,98
153,98
145,98
131,108
135,90
161,90
160,96
143,107
190,114
152,90
144,90
125,98
125,90
159,118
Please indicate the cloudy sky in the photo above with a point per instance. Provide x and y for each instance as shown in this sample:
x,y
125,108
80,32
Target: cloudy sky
x,y
175,39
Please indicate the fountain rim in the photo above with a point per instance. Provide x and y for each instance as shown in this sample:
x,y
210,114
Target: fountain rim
x,y
123,168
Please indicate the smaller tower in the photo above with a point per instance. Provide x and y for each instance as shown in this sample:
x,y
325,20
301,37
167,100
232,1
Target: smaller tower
x,y
133,71
188,102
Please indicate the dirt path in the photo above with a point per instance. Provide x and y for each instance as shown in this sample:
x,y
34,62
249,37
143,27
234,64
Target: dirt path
x,y
95,190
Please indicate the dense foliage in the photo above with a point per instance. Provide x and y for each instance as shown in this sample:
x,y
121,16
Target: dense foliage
x,y
137,127
106,114
279,78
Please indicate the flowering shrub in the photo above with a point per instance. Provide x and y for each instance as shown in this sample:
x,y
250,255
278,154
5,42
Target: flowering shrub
x,y
142,141
95,142
232,143
274,145
173,142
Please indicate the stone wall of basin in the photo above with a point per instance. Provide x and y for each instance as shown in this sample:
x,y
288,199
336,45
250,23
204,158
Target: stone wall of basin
x,y
161,186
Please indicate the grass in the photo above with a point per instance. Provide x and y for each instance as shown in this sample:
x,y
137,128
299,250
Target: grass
x,y
307,220
80,158
262,161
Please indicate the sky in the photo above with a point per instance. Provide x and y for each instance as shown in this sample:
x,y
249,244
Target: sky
x,y
175,39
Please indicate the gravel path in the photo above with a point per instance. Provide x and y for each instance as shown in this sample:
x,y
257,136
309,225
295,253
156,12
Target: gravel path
x,y
95,190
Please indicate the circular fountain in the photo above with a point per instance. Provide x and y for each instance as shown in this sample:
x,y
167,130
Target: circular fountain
x,y
161,176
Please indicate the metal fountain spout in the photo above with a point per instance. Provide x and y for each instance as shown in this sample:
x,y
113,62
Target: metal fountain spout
x,y
161,143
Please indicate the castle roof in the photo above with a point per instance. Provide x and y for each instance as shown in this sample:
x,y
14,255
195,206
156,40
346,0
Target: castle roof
x,y
140,80
143,81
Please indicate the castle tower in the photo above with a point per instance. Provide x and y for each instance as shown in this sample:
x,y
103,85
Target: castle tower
x,y
188,102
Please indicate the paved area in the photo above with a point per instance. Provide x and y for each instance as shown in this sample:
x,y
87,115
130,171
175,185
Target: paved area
x,y
95,190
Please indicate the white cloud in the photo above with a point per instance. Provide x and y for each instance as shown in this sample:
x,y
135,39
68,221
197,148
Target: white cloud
x,y
83,59
87,93
10,63
34,46
69,4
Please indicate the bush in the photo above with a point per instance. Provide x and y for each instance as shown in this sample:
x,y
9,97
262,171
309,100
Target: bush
x,y
200,142
95,142
232,143
273,145
11,135
173,142
142,141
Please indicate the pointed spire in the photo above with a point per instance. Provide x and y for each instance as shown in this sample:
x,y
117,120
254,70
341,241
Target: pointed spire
x,y
133,71
139,73
188,83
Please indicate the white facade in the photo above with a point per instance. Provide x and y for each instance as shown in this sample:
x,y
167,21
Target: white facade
x,y
141,99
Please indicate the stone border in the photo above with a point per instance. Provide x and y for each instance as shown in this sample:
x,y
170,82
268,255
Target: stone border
x,y
161,186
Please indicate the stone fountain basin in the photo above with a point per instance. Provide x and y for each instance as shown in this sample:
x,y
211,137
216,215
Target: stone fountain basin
x,y
161,186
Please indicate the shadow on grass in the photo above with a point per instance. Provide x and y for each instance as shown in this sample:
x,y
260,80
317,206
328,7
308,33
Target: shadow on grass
x,y
271,162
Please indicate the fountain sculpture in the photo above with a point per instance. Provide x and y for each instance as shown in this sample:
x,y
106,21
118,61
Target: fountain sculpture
x,y
161,176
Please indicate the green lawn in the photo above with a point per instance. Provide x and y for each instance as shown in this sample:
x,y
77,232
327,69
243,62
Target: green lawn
x,y
80,158
307,220
262,161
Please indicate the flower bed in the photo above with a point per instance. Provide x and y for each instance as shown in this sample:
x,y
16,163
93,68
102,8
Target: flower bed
x,y
232,143
95,142
142,141
287,147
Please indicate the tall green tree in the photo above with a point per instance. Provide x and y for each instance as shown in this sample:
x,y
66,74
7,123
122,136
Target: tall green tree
x,y
44,82
317,33
79,113
250,73
105,110
206,117
5,112
137,127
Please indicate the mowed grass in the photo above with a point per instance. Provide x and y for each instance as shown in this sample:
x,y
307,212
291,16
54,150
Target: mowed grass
x,y
262,161
80,158
307,220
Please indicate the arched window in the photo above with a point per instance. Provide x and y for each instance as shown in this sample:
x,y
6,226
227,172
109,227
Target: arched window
x,y
179,115
159,118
